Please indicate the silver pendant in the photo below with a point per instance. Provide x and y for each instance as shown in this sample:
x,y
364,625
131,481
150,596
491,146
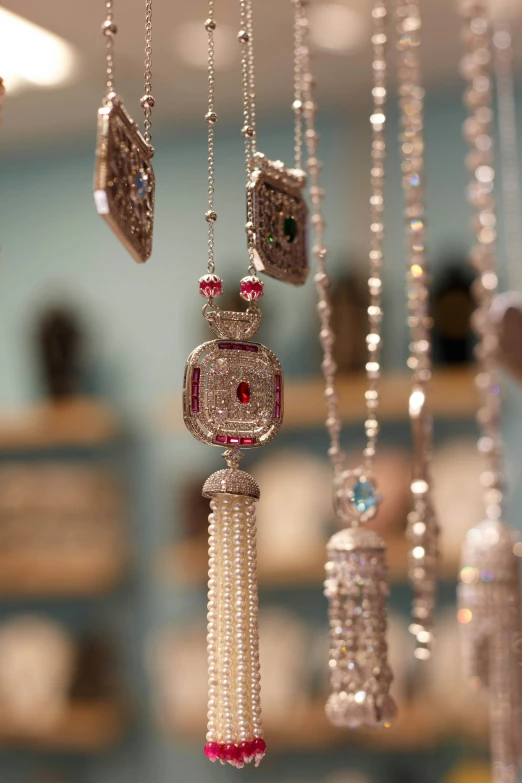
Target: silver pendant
x,y
280,217
233,388
124,183
491,635
356,588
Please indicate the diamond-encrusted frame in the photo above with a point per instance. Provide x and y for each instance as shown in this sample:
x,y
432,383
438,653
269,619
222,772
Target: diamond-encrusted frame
x,y
277,194
124,182
211,408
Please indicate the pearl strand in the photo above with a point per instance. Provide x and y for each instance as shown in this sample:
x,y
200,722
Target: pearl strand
x,y
226,651
214,557
243,702
253,619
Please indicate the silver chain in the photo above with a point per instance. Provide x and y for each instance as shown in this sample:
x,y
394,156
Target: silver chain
x,y
147,100
300,29
109,30
507,125
211,119
246,39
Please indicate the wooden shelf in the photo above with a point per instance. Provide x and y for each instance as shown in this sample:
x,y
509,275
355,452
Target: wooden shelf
x,y
78,421
417,726
83,726
452,396
186,563
27,574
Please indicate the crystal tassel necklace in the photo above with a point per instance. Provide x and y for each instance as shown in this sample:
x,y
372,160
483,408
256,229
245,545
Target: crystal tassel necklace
x,y
356,578
489,591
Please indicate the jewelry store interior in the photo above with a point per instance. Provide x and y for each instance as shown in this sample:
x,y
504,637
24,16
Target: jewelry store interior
x,y
223,221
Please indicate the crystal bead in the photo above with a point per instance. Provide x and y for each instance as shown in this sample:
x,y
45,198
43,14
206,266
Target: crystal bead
x,y
211,750
251,288
210,286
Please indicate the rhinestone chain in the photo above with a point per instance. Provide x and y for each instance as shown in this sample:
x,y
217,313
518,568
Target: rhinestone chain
x,y
211,119
246,39
300,28
109,30
476,68
507,126
422,522
377,119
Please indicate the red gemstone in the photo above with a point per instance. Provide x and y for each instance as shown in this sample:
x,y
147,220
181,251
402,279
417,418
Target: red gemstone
x,y
210,285
243,392
211,750
247,751
251,288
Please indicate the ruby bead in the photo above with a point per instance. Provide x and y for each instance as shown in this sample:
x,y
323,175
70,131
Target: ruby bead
x,y
211,750
243,392
230,753
259,746
247,751
251,288
210,285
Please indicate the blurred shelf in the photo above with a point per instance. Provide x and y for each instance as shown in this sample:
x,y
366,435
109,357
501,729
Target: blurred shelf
x,y
452,396
77,421
83,726
417,726
27,574
186,563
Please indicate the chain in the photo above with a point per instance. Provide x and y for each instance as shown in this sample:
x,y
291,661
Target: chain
x,y
211,119
109,30
507,125
246,39
422,522
300,28
147,101
477,69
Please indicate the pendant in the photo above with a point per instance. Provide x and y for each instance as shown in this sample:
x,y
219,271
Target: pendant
x,y
280,218
506,313
491,634
356,588
124,181
233,388
356,498
233,397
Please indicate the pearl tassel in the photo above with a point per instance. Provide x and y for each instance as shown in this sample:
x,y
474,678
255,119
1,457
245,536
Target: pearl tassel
x,y
234,731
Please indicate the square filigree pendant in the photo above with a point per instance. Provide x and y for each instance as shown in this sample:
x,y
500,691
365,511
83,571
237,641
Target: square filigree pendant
x,y
233,394
124,179
280,217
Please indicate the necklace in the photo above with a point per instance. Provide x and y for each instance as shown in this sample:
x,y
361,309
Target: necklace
x,y
277,214
124,181
422,523
233,397
489,597
356,580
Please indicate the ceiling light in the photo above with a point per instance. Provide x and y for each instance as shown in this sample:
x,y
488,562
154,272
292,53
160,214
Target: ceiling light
x,y
32,56
191,41
336,27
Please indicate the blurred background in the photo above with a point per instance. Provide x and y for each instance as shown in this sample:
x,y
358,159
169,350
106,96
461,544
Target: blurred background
x,y
102,524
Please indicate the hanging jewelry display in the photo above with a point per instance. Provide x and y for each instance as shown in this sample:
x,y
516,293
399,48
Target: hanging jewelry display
x,y
277,227
489,593
233,397
356,576
124,181
507,306
422,522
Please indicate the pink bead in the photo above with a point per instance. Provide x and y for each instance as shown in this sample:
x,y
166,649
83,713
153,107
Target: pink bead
x,y
251,288
210,285
259,746
211,751
247,751
231,754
